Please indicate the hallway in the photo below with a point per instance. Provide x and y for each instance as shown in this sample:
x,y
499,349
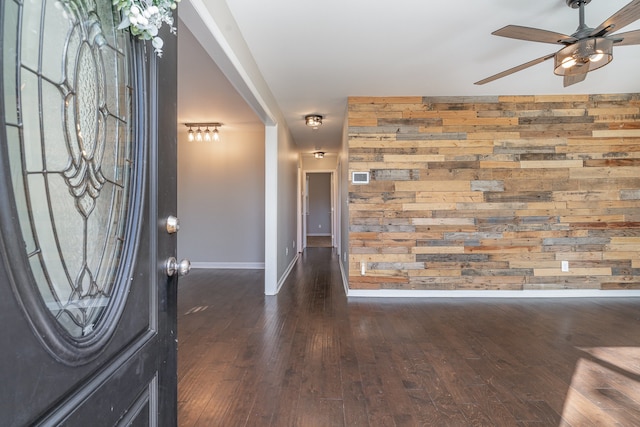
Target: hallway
x,y
307,357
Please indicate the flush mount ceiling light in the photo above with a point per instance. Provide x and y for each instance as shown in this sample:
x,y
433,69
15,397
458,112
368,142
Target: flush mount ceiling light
x,y
313,120
202,132
318,154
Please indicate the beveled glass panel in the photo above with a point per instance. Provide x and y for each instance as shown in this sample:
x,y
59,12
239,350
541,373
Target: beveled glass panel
x,y
55,20
17,178
30,112
72,155
55,154
9,45
31,33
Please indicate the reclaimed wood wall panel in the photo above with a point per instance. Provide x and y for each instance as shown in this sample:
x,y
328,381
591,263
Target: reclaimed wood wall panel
x,y
495,192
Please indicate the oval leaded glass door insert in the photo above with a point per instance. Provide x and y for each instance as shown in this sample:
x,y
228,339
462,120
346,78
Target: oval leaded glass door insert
x,y
68,104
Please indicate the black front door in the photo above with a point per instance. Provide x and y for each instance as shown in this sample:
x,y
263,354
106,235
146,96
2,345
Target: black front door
x,y
87,182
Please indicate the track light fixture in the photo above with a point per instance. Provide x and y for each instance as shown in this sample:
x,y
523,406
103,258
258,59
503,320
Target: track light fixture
x,y
203,135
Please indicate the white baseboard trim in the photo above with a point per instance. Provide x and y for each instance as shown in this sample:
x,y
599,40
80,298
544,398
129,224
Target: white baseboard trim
x,y
560,293
230,265
287,272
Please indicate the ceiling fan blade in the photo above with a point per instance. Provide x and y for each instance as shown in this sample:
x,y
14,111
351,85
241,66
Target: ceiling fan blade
x,y
534,35
515,69
628,38
620,19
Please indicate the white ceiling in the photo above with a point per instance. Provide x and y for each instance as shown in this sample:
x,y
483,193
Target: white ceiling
x,y
313,55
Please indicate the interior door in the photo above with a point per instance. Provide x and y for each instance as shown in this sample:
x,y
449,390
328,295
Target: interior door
x,y
87,182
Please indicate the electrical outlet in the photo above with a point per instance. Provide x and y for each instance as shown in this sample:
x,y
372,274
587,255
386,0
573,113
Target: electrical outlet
x,y
363,268
565,266
286,250
319,225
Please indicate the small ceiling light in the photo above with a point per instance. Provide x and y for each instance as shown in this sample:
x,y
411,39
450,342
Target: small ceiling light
x,y
313,120
318,154
207,135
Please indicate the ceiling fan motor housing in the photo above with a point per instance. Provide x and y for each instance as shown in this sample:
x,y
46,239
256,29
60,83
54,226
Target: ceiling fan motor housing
x,y
574,4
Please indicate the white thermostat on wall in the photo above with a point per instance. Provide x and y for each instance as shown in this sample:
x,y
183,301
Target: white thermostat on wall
x,y
359,177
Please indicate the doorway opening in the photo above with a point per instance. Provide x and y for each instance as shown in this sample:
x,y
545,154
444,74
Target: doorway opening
x,y
319,210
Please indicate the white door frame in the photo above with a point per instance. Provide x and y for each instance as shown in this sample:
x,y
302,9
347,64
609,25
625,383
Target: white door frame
x,y
304,205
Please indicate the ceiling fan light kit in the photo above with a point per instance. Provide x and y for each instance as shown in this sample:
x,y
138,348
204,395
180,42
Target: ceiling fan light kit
x,y
587,49
591,53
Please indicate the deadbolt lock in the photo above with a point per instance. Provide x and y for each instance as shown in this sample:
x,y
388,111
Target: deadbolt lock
x,y
173,224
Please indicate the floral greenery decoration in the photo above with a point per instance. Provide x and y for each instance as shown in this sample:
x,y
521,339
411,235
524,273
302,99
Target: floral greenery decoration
x,y
145,17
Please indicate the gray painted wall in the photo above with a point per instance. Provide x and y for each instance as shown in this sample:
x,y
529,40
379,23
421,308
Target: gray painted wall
x,y
310,163
221,198
287,192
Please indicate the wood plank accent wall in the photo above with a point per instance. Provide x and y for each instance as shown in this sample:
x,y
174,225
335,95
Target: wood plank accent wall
x,y
495,192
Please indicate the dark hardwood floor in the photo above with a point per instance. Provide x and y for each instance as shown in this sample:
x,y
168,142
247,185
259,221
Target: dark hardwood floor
x,y
309,357
319,242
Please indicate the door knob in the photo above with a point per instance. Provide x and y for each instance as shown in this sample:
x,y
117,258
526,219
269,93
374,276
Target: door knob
x,y
173,267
